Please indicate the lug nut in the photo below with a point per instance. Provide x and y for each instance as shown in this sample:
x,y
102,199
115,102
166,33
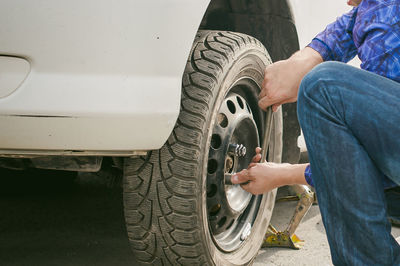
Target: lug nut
x,y
237,149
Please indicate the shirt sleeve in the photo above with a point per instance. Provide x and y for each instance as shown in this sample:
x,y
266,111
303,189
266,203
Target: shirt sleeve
x,y
379,52
308,176
336,43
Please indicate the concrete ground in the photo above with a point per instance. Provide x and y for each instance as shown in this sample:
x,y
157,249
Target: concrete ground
x,y
51,221
315,250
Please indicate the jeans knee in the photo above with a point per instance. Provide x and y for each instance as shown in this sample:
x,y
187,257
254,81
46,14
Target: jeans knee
x,y
324,72
321,76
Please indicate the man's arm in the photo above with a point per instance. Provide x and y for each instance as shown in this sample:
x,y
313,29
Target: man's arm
x,y
282,79
267,176
336,42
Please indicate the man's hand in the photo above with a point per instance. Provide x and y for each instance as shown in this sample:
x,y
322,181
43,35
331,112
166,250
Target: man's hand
x,y
280,84
282,79
353,2
265,177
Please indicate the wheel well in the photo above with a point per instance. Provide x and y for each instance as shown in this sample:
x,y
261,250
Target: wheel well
x,y
271,22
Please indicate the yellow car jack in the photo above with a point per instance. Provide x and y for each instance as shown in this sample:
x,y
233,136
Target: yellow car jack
x,y
287,238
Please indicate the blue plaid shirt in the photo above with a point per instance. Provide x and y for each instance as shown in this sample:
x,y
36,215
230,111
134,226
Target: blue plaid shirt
x,y
371,31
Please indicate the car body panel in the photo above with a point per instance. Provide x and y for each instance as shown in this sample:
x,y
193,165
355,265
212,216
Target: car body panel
x,y
104,75
13,71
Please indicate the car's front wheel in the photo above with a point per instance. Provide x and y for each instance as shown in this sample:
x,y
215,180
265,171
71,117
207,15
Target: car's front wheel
x,y
178,207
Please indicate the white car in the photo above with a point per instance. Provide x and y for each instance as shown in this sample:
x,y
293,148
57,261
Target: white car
x,y
168,90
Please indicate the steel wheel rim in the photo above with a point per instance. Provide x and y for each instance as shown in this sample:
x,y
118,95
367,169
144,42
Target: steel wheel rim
x,y
231,210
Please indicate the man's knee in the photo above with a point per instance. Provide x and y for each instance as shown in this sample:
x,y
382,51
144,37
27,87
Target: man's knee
x,y
325,73
318,81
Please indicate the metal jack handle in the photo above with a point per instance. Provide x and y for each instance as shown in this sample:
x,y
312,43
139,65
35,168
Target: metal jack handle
x,y
306,199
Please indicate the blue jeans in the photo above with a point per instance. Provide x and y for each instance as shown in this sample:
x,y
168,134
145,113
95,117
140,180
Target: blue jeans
x,y
351,124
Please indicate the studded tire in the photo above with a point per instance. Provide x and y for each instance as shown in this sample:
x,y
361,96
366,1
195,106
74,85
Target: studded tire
x,y
165,192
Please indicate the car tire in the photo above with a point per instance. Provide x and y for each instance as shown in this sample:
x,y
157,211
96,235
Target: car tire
x,y
178,208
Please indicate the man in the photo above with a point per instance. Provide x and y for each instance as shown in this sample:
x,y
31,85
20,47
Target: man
x,y
351,123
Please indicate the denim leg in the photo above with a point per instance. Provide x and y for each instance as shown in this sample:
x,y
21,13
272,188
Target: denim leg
x,y
351,124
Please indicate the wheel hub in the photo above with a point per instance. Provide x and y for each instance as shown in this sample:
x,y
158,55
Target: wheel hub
x,y
235,132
